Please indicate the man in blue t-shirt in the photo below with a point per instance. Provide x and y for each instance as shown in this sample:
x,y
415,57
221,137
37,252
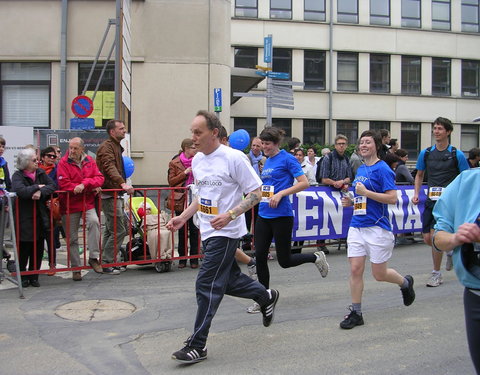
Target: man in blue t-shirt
x,y
441,163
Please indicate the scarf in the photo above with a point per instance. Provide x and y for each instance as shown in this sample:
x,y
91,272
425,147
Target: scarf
x,y
30,175
187,163
255,160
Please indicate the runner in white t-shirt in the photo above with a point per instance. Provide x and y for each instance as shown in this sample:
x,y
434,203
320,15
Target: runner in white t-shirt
x,y
222,176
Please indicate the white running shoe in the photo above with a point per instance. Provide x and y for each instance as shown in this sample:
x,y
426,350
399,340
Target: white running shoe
x,y
435,279
321,263
254,309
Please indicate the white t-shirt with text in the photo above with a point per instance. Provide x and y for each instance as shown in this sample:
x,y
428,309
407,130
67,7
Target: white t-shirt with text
x,y
221,179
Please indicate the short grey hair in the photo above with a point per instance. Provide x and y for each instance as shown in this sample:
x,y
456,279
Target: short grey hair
x,y
24,157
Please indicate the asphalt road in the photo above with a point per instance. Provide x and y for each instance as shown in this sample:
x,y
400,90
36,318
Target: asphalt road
x,y
37,335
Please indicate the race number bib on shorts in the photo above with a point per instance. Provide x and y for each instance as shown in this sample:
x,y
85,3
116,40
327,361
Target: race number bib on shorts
x,y
360,205
208,207
268,191
435,192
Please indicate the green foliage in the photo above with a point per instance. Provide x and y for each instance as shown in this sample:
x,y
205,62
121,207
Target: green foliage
x,y
318,148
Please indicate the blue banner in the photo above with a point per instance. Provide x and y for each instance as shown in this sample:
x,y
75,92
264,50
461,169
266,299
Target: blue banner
x,y
318,213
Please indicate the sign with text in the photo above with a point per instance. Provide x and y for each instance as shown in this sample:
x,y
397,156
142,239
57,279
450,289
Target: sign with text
x,y
318,213
217,99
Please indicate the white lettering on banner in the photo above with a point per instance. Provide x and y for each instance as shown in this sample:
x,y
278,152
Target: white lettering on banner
x,y
318,213
333,210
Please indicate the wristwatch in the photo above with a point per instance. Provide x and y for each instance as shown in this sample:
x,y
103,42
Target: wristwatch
x,y
232,214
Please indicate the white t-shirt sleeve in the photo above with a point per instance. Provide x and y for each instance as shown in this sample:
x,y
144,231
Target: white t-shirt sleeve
x,y
243,173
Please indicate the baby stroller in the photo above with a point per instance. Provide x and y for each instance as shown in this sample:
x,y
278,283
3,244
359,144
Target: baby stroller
x,y
153,231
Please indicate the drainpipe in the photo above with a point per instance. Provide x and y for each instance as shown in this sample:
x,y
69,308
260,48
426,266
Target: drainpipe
x,y
63,66
328,137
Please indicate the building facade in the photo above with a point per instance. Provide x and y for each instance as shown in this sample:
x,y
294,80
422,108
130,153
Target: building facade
x,y
180,52
365,64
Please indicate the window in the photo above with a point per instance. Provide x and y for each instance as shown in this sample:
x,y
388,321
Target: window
x,y
314,70
246,8
410,138
411,75
282,60
285,124
440,76
469,138
247,123
347,11
246,57
347,71
348,128
411,15
378,125
104,102
470,78
380,12
281,9
379,73
314,132
314,10
441,14
470,15
25,94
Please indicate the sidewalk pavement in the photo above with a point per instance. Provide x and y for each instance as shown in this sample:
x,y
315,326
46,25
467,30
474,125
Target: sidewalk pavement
x,y
132,322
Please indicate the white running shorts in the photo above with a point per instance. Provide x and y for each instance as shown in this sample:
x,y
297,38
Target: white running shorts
x,y
375,242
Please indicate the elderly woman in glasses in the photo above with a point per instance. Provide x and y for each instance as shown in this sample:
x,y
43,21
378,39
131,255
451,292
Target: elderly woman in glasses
x,y
33,188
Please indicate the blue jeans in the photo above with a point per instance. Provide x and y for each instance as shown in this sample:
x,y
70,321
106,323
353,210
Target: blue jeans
x,y
220,275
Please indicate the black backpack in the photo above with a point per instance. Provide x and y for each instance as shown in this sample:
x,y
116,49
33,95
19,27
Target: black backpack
x,y
425,158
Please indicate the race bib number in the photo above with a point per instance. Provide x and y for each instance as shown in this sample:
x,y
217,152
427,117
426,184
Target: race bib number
x,y
434,193
360,205
208,207
268,191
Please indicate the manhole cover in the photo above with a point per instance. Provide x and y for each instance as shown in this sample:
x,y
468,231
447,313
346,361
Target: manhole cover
x,y
95,310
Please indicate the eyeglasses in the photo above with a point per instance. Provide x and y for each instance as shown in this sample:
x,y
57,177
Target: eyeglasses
x,y
341,144
34,160
51,156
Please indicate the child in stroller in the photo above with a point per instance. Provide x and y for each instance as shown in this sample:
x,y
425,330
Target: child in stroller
x,y
149,224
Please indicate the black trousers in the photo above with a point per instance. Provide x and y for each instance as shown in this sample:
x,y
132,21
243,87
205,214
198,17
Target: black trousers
x,y
30,256
471,303
279,229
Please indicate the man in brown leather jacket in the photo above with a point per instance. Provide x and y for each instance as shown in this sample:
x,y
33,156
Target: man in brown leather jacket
x,y
110,162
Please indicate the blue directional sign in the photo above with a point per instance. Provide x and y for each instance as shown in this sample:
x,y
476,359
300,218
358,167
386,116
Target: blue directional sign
x,y
267,49
217,100
261,73
82,123
278,75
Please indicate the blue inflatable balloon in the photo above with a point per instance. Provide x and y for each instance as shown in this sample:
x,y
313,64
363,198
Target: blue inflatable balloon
x,y
128,166
239,139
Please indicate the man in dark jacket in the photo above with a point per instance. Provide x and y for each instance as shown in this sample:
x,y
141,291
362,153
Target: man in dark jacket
x,y
78,174
110,164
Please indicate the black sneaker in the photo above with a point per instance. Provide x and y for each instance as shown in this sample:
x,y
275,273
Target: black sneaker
x,y
190,355
110,271
269,309
351,320
408,293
